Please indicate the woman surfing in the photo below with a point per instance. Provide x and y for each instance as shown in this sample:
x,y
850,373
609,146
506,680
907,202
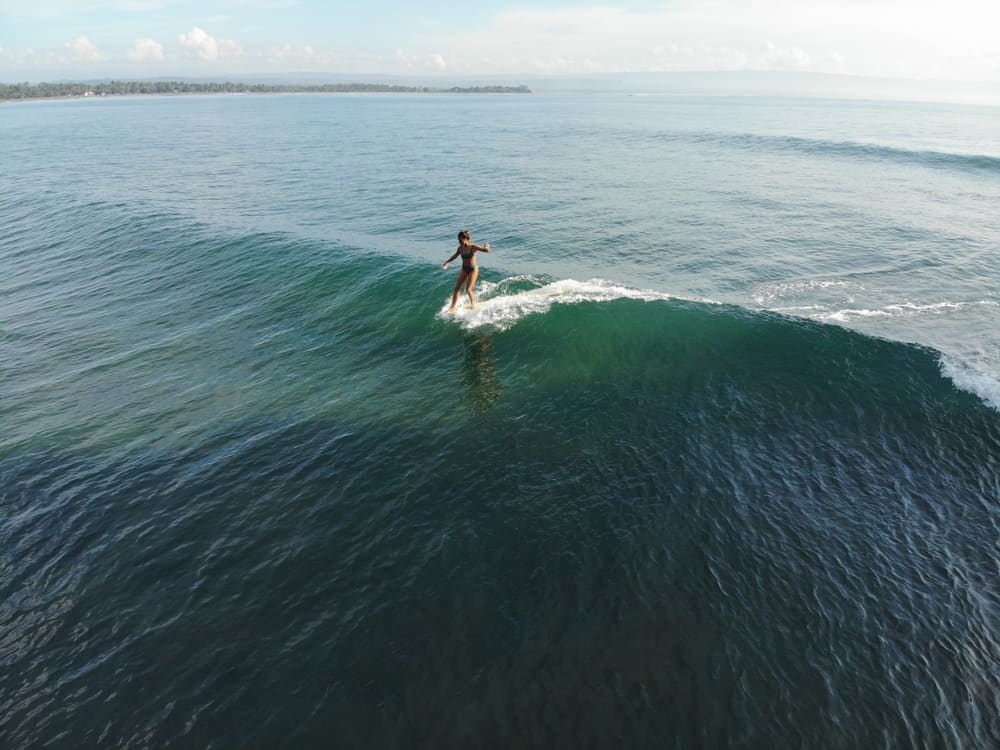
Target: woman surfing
x,y
470,271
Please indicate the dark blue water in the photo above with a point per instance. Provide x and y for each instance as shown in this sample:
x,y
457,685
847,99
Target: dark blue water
x,y
715,463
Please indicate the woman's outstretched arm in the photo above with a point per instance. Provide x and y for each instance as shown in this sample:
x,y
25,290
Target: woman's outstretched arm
x,y
445,264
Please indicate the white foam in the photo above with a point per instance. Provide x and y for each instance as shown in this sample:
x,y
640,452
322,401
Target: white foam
x,y
970,379
842,316
503,310
769,294
902,309
797,309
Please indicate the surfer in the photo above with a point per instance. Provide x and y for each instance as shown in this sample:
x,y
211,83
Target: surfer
x,y
470,271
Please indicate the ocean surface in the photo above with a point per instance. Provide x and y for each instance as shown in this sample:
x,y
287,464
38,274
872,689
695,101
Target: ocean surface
x,y
716,463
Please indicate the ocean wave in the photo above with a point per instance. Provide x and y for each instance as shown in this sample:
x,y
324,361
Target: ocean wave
x,y
503,303
971,374
851,149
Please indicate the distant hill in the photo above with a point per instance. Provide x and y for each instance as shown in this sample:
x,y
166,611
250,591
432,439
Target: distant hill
x,y
776,83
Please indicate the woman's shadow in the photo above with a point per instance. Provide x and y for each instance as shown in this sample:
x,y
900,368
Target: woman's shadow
x,y
479,373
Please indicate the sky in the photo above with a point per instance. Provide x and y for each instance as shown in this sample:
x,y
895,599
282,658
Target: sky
x,y
80,39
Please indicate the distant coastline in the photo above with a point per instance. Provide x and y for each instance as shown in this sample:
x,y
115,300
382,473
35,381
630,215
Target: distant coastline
x,y
25,91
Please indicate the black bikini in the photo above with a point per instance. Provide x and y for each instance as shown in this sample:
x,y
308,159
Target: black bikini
x,y
468,268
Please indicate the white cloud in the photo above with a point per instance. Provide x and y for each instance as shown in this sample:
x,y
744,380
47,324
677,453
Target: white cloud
x,y
206,47
307,57
696,56
784,59
864,37
977,63
420,62
910,38
82,49
145,49
291,52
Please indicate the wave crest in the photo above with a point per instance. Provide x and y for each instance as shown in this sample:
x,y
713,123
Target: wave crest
x,y
968,378
504,303
853,149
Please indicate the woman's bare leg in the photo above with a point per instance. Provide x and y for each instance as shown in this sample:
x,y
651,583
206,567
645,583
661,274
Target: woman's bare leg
x,y
458,286
468,289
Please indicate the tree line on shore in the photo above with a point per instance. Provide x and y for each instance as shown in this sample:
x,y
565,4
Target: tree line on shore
x,y
120,88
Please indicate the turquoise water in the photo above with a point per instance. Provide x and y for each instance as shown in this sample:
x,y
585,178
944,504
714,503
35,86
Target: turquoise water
x,y
714,464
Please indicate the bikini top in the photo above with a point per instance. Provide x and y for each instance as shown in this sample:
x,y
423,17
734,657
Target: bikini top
x,y
468,256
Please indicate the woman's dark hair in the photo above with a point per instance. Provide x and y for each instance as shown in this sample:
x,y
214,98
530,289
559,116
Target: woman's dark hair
x,y
464,235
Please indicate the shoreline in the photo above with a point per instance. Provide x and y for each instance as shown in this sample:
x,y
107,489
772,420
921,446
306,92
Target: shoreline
x,y
39,92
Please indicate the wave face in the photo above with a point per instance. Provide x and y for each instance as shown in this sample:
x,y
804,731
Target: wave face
x,y
258,489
